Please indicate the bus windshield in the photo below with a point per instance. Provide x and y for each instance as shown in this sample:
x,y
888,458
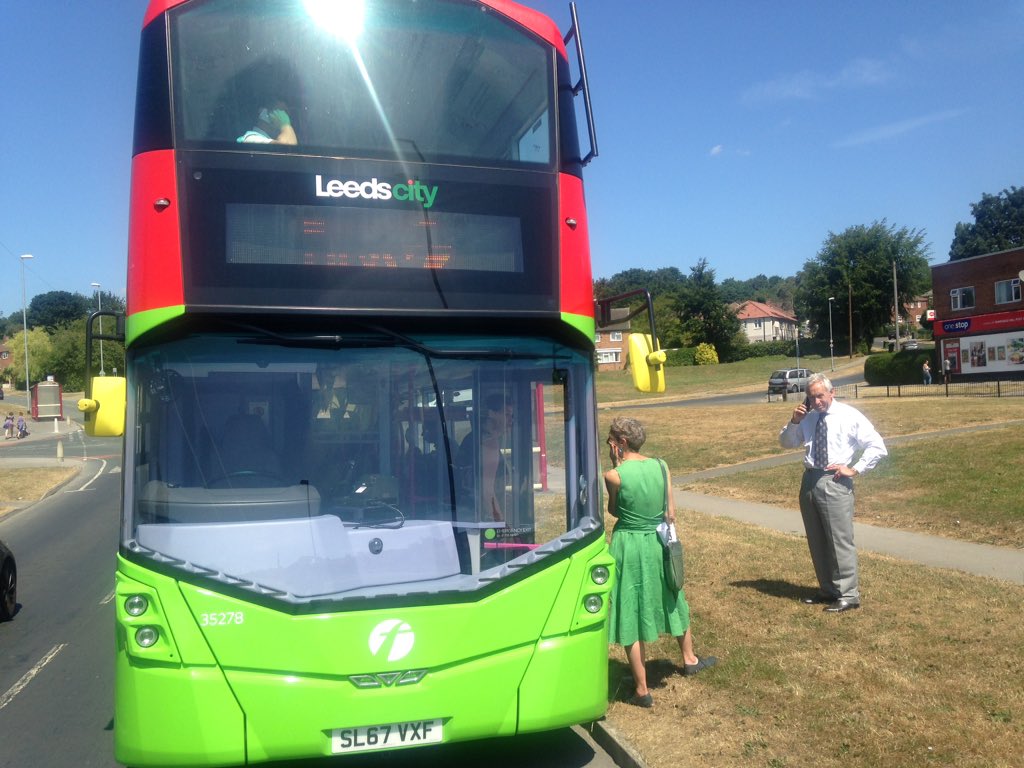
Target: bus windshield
x,y
328,467
367,82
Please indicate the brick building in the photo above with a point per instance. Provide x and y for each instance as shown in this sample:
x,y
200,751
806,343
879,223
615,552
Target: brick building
x,y
611,341
979,316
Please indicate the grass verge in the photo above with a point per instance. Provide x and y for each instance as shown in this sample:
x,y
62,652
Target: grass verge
x,y
18,486
929,672
966,489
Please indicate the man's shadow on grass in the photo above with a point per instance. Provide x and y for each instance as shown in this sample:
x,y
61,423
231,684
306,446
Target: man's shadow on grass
x,y
774,588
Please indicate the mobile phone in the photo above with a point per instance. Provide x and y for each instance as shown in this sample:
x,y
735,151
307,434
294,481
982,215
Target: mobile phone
x,y
807,403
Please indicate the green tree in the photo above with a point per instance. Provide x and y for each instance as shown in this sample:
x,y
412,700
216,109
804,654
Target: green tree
x,y
704,314
39,356
56,308
659,282
11,324
856,268
998,225
664,286
775,290
666,320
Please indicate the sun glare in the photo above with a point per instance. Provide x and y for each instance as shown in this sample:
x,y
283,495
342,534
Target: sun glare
x,y
341,18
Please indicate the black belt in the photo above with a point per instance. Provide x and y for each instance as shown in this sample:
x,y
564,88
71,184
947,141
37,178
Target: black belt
x,y
847,481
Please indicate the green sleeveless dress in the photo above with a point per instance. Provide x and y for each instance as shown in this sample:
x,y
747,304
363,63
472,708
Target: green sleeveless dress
x,y
642,606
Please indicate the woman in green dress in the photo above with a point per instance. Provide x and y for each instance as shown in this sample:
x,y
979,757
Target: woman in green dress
x,y
642,604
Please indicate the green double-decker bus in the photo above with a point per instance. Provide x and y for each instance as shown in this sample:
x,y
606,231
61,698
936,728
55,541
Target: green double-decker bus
x,y
361,506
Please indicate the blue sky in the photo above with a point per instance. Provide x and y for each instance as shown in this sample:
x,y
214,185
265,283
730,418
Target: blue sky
x,y
739,132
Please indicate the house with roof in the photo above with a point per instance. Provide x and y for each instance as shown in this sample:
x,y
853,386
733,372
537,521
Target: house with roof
x,y
611,341
765,322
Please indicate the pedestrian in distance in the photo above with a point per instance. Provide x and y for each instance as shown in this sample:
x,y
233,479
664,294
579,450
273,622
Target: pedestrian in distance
x,y
22,427
643,605
947,367
9,426
832,434
926,373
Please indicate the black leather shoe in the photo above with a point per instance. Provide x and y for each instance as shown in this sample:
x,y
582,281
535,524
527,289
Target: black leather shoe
x,y
818,599
841,605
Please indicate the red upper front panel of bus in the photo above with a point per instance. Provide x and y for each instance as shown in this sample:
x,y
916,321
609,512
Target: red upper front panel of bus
x,y
533,20
184,200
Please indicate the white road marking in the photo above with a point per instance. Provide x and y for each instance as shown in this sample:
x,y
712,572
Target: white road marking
x,y
17,688
108,598
103,466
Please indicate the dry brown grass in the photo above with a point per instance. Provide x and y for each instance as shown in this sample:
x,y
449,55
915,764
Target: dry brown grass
x,y
692,438
28,484
965,488
929,672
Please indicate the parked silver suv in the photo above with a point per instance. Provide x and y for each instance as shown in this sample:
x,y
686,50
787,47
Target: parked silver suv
x,y
788,380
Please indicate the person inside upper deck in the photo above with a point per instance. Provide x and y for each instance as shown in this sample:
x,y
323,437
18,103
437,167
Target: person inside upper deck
x,y
273,126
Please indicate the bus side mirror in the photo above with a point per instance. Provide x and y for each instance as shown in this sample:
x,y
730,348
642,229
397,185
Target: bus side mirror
x,y
646,364
104,411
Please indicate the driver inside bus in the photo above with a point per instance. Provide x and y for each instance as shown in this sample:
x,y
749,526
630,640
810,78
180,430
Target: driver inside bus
x,y
273,126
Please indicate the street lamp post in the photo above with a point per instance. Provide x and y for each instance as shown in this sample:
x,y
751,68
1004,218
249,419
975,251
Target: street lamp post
x,y
831,352
24,326
99,308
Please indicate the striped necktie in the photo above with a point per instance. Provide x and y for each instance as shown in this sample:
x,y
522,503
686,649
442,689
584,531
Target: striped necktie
x,y
819,449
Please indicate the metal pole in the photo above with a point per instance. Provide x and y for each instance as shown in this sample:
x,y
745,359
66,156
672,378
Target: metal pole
x,y
849,310
896,305
797,338
99,306
24,326
831,351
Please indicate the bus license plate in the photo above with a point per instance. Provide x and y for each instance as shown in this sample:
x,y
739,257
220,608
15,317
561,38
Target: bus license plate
x,y
389,736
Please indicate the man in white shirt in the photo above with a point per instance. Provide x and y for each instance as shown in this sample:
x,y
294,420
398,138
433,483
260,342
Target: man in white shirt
x,y
832,433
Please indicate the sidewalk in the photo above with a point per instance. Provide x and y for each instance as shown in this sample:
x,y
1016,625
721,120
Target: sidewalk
x,y
39,432
1004,563
935,551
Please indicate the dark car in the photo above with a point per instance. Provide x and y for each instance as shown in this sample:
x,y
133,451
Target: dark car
x,y
8,583
789,380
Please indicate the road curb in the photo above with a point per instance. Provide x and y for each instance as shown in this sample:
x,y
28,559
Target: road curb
x,y
611,741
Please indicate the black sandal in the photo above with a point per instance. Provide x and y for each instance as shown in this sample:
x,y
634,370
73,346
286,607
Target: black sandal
x,y
646,701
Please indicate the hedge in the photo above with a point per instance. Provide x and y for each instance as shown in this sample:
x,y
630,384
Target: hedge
x,y
890,368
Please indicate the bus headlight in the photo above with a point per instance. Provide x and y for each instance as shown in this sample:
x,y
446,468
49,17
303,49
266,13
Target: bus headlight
x,y
136,605
593,603
600,575
147,636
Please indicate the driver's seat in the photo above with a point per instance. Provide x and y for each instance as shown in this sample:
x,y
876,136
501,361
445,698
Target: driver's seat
x,y
247,449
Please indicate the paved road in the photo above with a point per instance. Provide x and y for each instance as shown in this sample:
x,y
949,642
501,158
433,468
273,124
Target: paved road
x,y
56,662
56,656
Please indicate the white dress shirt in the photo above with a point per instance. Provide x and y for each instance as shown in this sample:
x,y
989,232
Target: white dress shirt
x,y
849,431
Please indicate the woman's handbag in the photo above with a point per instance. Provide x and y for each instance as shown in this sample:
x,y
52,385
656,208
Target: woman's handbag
x,y
672,548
